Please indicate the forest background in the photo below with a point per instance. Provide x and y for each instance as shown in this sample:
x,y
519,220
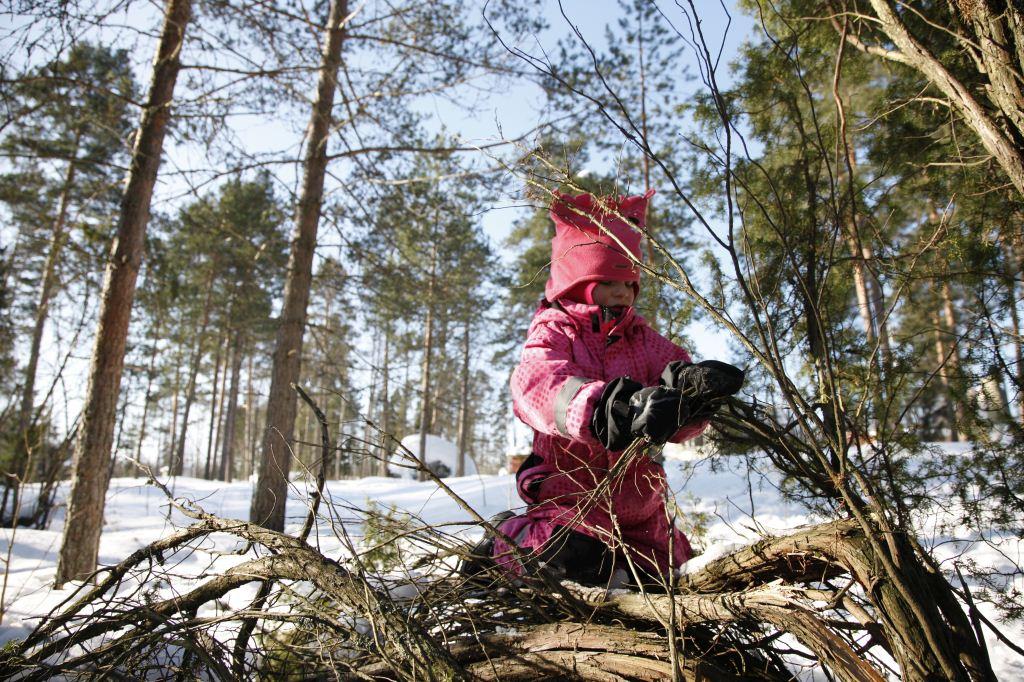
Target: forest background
x,y
839,211
199,350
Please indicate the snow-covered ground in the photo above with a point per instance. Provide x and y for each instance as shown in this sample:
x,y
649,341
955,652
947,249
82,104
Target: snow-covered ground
x,y
731,508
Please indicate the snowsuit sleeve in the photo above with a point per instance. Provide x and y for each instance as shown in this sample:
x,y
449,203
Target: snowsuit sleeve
x,y
661,351
550,392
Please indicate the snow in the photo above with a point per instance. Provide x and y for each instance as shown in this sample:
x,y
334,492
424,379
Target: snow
x,y
439,451
735,508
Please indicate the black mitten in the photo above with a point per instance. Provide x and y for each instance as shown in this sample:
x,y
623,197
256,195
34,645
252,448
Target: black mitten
x,y
703,385
612,421
658,412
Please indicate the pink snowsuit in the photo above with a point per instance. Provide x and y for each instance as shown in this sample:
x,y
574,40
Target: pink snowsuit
x,y
568,359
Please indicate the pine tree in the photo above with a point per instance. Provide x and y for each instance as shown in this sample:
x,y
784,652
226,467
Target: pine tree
x,y
424,265
92,450
269,499
65,152
215,270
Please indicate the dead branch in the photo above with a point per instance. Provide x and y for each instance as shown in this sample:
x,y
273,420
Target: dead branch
x,y
727,617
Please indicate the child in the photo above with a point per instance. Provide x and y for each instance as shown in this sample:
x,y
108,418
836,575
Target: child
x,y
588,384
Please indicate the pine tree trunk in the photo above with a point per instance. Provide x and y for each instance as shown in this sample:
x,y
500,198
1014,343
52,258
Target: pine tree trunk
x,y
178,460
368,433
84,520
27,442
178,464
909,50
460,469
878,309
250,421
213,412
645,158
1014,270
870,299
150,375
121,412
218,464
386,436
428,350
941,353
227,455
12,257
428,329
956,378
436,427
172,448
299,446
46,285
342,440
406,393
268,503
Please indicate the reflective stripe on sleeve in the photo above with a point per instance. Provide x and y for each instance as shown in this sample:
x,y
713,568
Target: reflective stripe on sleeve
x,y
568,391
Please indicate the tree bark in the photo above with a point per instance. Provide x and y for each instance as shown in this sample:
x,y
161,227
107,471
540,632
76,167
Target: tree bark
x,y
268,503
227,455
27,442
428,351
178,463
441,325
339,469
1013,271
425,388
214,386
368,432
46,285
406,393
122,411
150,374
941,353
869,290
951,327
464,402
171,448
386,426
89,479
178,458
645,158
250,420
912,53
218,464
998,62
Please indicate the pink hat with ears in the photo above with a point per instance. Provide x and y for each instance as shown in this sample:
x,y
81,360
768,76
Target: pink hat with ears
x,y
581,251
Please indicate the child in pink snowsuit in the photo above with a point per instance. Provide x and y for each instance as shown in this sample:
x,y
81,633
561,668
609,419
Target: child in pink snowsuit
x,y
594,376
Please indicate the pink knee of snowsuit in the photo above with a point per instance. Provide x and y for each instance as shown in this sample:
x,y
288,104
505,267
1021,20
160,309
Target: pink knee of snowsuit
x,y
568,359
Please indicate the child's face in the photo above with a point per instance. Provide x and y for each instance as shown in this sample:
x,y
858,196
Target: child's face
x,y
614,293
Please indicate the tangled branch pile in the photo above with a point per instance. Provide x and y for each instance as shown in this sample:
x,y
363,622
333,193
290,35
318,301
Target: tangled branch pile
x,y
753,614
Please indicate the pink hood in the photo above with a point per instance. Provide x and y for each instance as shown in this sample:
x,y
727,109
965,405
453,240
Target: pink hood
x,y
596,239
